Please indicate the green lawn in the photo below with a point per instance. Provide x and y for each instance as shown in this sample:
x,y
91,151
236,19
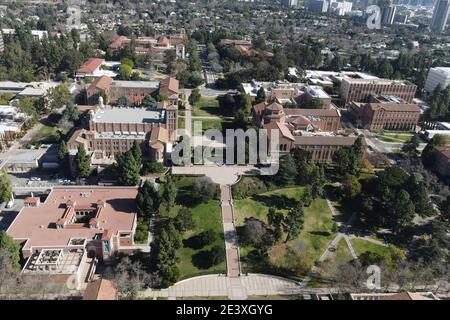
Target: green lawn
x,y
361,246
219,124
206,107
313,239
206,216
330,267
46,134
181,123
396,138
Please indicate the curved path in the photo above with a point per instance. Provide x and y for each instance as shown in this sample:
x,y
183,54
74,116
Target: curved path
x,y
233,288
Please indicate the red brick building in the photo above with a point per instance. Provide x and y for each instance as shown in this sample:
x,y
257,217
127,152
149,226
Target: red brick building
x,y
388,113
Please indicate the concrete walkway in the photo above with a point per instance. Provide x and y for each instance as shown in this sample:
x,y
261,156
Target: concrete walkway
x,y
232,288
222,175
188,112
229,230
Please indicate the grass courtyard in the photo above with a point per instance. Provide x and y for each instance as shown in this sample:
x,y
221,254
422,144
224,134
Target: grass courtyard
x,y
207,216
206,107
46,134
219,124
306,248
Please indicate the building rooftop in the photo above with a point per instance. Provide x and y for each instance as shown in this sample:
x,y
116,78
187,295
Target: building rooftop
x,y
100,289
128,115
36,225
378,81
90,65
135,84
325,140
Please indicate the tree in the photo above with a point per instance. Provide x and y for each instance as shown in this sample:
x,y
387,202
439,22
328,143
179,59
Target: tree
x,y
59,96
64,157
127,169
204,189
5,187
184,220
165,245
419,195
307,196
317,181
82,163
401,211
149,102
169,193
287,171
275,219
293,222
216,255
255,233
260,96
136,151
125,71
429,153
147,200
410,147
8,244
348,159
194,96
123,102
351,186
129,278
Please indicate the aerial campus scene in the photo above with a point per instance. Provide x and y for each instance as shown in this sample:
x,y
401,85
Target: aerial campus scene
x,y
241,150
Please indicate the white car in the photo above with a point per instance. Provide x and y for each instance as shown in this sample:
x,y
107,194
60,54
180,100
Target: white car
x,y
35,179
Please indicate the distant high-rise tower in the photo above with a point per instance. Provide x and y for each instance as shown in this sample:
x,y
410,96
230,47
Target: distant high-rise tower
x,y
440,15
2,44
388,11
289,3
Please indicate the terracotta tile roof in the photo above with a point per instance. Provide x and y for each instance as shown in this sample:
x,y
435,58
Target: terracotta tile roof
x,y
117,43
281,127
36,223
312,112
325,141
90,65
163,41
169,86
395,107
159,137
406,296
101,83
274,106
445,151
101,289
258,108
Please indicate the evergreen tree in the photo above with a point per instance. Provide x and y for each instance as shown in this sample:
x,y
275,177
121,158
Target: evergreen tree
x,y
149,102
317,181
401,211
82,163
128,169
137,153
275,220
260,96
287,171
8,244
169,193
64,158
293,222
410,147
5,187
